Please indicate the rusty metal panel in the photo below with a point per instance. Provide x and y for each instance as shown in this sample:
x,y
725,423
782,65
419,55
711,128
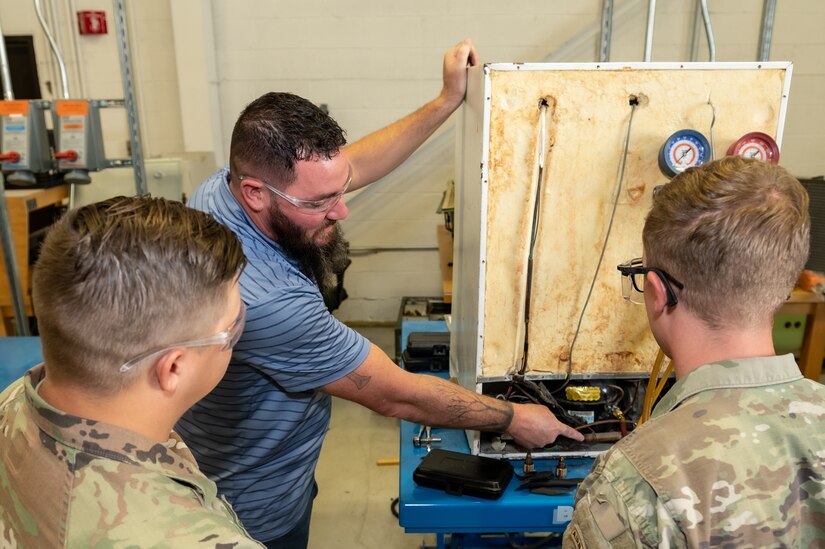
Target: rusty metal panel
x,y
585,126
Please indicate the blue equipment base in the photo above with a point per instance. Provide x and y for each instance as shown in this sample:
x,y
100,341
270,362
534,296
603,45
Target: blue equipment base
x,y
17,356
468,521
427,510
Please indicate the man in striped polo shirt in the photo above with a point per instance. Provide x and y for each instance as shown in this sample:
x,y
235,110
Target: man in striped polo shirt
x,y
259,433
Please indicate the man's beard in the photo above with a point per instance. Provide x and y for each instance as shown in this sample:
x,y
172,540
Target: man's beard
x,y
324,262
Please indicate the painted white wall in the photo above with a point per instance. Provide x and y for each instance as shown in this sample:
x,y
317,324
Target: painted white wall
x,y
199,62
193,33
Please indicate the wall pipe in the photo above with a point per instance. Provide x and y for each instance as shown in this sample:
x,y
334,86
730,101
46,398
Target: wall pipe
x,y
651,19
64,80
708,31
9,255
8,93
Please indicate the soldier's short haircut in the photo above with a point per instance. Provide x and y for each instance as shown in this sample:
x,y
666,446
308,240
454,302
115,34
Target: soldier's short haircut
x,y
736,232
275,131
120,277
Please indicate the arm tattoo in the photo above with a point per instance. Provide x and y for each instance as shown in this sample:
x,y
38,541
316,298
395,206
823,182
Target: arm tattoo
x,y
359,380
468,410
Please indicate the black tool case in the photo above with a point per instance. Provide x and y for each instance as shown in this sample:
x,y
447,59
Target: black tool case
x,y
464,474
427,351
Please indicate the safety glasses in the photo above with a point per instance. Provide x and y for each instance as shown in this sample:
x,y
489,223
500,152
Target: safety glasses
x,y
228,338
321,205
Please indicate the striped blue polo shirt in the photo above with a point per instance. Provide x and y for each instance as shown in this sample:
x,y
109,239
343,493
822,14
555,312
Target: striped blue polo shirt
x,y
258,434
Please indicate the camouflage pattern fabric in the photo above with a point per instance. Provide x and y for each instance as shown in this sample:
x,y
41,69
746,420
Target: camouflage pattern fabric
x,y
734,456
66,481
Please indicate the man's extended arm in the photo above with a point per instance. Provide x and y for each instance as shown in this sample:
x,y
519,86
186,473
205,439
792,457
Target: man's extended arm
x,y
382,386
374,156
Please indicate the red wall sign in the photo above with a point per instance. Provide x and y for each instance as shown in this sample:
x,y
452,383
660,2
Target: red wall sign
x,y
91,22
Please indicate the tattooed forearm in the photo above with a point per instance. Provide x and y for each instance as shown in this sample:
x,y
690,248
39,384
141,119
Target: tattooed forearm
x,y
359,380
468,410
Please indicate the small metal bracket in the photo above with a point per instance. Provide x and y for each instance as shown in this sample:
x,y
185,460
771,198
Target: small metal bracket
x,y
425,437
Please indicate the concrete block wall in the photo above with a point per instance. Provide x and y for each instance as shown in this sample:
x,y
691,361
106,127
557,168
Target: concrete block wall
x,y
156,75
373,61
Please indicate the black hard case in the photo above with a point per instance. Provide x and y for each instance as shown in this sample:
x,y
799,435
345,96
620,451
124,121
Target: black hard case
x,y
427,351
464,474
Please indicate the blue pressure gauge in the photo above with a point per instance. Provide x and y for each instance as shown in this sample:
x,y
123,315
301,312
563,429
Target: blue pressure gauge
x,y
682,150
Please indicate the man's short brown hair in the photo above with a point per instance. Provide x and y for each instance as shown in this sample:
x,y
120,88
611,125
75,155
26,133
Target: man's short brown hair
x,y
277,130
736,232
117,278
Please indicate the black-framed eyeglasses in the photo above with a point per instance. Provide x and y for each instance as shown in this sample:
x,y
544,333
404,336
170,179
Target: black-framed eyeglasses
x,y
633,281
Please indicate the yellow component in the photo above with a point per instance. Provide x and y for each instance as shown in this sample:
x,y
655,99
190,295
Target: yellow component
x,y
582,393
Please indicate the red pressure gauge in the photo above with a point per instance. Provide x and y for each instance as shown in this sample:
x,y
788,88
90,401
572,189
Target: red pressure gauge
x,y
756,145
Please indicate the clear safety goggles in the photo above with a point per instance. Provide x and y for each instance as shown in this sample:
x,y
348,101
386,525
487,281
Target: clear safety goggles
x,y
228,338
320,205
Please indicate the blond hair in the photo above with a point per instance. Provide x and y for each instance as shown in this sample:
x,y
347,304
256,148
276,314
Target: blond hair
x,y
736,233
119,277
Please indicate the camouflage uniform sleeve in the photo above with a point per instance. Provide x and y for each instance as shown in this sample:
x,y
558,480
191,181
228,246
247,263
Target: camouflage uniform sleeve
x,y
111,513
172,529
616,507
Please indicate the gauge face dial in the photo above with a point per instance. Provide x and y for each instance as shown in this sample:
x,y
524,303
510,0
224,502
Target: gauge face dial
x,y
756,145
682,150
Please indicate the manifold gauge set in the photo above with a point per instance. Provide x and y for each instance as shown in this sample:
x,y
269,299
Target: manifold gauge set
x,y
687,148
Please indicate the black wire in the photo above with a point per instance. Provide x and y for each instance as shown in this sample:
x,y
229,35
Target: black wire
x,y
394,507
601,255
533,233
541,395
542,542
633,398
525,393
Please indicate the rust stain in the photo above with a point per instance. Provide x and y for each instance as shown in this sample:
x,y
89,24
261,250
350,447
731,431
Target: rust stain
x,y
586,120
636,193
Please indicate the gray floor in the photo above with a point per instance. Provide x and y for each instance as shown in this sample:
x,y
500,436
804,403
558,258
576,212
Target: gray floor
x,y
352,509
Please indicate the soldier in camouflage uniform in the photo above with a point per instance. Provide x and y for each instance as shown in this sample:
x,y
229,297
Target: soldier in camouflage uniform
x,y
138,308
734,453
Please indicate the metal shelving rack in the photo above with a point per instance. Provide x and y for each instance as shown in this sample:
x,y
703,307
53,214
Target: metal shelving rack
x,y
129,97
130,103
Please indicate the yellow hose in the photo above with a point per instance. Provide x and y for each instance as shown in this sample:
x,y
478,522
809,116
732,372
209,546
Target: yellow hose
x,y
655,385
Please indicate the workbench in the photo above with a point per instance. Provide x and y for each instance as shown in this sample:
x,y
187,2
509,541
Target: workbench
x,y
31,213
463,519
812,352
427,510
